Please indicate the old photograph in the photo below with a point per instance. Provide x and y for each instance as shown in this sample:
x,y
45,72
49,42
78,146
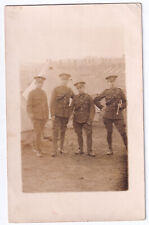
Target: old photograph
x,y
73,106
74,134
73,96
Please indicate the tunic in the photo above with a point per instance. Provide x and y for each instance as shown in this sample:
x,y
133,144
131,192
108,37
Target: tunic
x,y
113,97
37,104
60,101
83,107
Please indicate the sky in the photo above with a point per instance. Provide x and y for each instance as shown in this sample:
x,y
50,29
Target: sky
x,y
37,33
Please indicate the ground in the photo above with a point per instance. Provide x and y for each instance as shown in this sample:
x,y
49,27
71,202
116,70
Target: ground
x,y
68,172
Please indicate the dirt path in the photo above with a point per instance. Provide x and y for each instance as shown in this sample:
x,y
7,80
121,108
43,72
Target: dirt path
x,y
69,172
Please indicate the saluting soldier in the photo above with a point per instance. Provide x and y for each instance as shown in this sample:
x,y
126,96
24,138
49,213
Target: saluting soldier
x,y
60,110
83,110
37,108
115,103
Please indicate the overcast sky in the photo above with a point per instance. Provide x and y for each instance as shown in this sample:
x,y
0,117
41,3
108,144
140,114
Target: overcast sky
x,y
37,33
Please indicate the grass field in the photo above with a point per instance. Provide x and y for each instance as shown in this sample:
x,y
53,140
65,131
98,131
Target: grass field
x,y
68,172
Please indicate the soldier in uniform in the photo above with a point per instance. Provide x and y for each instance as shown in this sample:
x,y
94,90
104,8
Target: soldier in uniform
x,y
60,110
115,103
83,110
37,108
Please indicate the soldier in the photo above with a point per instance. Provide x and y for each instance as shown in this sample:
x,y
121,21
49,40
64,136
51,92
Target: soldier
x,y
37,108
83,114
115,103
60,109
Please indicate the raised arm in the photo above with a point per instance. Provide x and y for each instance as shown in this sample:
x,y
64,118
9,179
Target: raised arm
x,y
98,99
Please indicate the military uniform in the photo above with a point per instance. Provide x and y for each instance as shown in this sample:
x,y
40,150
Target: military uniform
x,y
115,103
83,113
60,110
37,107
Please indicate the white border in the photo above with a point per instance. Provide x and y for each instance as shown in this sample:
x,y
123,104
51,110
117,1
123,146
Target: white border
x,y
3,162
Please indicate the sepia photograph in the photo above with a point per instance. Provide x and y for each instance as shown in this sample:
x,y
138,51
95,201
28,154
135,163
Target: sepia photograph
x,y
71,141
73,125
68,70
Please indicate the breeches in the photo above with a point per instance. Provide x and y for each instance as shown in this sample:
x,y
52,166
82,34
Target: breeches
x,y
121,127
119,124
